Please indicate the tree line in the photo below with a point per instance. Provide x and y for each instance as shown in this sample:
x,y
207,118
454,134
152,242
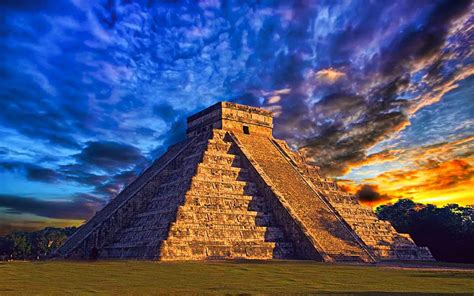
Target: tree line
x,y
33,245
447,231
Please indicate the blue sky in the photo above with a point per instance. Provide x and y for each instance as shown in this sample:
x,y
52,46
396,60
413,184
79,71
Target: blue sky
x,y
93,91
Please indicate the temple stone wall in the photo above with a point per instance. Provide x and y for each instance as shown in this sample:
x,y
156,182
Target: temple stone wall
x,y
224,215
329,235
233,191
231,117
384,242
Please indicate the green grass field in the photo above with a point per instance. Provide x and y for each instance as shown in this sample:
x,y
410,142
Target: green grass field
x,y
276,277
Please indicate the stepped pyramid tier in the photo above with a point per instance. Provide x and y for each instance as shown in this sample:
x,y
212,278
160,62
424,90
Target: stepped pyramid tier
x,y
230,191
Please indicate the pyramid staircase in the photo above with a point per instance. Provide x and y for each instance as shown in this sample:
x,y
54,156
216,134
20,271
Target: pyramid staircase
x,y
223,215
321,224
381,239
230,191
380,236
205,207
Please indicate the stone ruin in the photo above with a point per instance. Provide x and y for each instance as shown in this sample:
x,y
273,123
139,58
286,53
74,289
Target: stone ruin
x,y
232,191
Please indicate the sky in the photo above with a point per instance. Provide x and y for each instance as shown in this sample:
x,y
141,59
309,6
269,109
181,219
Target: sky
x,y
378,94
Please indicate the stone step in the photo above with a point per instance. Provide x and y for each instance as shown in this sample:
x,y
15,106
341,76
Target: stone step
x,y
135,245
211,215
221,159
134,229
385,236
221,146
221,172
193,157
378,224
135,252
383,240
219,226
209,194
179,172
225,234
157,220
172,187
171,251
127,245
213,196
196,148
223,187
220,138
132,241
367,230
416,253
167,202
385,254
354,221
376,242
182,238
340,200
218,135
394,247
157,212
218,203
215,218
355,212
197,209
346,258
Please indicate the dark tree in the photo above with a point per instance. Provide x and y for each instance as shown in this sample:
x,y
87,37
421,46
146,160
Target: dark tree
x,y
22,247
31,245
447,231
6,247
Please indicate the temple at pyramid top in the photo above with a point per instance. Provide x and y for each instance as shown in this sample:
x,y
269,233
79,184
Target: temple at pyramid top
x,y
231,117
232,191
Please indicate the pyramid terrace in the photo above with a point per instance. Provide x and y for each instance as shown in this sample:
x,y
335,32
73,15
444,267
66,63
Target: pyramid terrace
x,y
232,191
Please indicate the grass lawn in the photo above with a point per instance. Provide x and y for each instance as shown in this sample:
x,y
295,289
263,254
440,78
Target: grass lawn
x,y
279,277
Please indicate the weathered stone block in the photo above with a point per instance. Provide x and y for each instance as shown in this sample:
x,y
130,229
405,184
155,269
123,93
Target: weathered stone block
x,y
232,191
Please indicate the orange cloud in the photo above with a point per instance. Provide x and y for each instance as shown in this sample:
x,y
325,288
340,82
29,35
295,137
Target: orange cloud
x,y
329,75
274,99
432,182
439,174
441,151
369,195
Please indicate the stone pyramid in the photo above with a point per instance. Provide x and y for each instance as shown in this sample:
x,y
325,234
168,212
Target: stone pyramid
x,y
230,191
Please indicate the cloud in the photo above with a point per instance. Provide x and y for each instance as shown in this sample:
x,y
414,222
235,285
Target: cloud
x,y
109,156
442,151
432,181
107,185
368,194
423,42
116,183
440,90
329,75
31,171
110,84
80,207
439,173
137,65
79,173
347,125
